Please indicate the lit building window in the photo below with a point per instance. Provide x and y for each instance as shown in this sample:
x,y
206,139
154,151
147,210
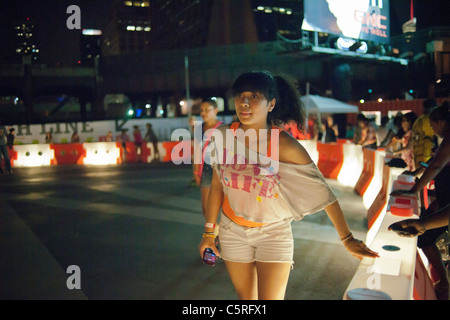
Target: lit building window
x,y
273,9
128,3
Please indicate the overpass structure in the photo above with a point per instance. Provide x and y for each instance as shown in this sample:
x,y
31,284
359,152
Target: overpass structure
x,y
162,76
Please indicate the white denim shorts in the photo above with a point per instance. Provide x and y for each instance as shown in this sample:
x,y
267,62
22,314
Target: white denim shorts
x,y
272,243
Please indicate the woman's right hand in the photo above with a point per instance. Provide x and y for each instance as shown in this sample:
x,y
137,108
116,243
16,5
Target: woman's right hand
x,y
206,243
359,250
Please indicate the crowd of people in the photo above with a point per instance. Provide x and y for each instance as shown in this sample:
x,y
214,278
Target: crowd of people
x,y
407,138
7,138
431,162
419,144
138,140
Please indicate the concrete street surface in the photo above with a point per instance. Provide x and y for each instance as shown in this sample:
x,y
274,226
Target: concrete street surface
x,y
130,232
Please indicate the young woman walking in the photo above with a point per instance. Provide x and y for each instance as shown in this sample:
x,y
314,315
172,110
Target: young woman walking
x,y
203,172
260,200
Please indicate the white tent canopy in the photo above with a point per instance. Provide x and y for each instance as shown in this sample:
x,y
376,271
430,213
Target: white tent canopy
x,y
318,104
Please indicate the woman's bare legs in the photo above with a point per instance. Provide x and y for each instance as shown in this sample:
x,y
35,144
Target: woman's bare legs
x,y
259,281
244,279
272,280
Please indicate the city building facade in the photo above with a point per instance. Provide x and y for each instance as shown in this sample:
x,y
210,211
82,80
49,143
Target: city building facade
x,y
26,46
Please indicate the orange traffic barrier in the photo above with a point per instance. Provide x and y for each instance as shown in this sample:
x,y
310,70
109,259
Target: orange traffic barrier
x,y
367,173
331,159
68,153
402,210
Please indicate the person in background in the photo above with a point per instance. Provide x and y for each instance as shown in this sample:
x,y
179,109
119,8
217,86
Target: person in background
x,y
137,141
423,138
313,127
48,138
396,144
150,136
368,137
423,134
75,138
4,150
398,128
357,128
331,130
406,149
109,137
384,133
10,138
124,138
203,171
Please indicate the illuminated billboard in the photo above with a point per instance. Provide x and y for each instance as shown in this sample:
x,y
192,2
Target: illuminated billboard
x,y
357,19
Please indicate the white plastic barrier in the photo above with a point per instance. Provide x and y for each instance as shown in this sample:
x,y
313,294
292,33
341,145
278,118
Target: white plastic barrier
x,y
375,225
353,165
34,155
392,275
101,153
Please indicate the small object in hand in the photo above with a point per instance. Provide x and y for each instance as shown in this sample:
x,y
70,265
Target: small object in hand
x,y
209,257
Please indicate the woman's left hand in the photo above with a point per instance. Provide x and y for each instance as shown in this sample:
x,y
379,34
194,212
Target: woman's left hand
x,y
359,250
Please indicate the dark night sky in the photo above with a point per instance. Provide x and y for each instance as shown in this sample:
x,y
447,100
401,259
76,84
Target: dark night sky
x,y
57,43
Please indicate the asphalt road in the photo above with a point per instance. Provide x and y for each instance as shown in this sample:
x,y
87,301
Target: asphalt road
x,y
130,232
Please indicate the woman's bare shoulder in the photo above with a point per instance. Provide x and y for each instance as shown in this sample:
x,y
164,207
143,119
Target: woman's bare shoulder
x,y
291,151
